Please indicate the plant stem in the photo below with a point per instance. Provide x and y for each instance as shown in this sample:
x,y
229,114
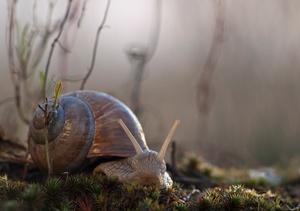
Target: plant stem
x,y
53,45
95,47
47,150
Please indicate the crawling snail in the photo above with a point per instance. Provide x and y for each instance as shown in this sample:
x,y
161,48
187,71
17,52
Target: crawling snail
x,y
90,126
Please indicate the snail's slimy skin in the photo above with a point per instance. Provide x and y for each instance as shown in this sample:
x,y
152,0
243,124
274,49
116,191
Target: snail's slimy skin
x,y
144,169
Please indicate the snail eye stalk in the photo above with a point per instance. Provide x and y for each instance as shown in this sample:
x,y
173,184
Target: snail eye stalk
x,y
164,147
135,144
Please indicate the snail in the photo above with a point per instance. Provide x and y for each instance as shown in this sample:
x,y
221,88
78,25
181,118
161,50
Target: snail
x,y
89,126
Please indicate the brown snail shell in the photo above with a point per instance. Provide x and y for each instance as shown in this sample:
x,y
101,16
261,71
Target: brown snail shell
x,y
85,127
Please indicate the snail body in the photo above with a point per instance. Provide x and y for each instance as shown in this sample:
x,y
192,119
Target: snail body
x,y
89,125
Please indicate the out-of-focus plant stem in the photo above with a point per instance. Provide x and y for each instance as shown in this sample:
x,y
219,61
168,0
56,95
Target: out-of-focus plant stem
x,y
14,72
95,46
82,13
47,150
52,48
142,56
204,89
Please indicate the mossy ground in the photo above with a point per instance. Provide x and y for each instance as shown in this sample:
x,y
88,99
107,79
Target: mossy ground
x,y
86,192
83,192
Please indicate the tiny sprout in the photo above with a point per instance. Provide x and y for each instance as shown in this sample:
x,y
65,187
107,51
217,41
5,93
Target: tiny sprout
x,y
57,91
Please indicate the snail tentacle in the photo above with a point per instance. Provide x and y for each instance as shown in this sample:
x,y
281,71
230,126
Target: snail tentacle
x,y
135,144
164,147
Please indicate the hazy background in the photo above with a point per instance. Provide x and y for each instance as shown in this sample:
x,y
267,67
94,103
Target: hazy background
x,y
255,114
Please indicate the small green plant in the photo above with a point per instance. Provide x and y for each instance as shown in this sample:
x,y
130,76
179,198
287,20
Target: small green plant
x,y
48,116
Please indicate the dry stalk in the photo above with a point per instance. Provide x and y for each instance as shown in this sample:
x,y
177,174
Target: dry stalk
x,y
141,56
204,89
52,47
95,47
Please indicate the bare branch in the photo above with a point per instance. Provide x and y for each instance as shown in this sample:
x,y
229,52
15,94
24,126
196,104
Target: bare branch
x,y
95,47
16,78
11,33
18,103
140,56
204,89
204,86
82,13
154,36
15,160
53,45
68,38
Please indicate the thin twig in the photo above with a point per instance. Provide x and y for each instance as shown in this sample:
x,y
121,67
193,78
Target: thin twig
x,y
25,169
142,56
154,36
68,38
52,47
34,17
204,88
136,91
14,77
47,151
82,13
48,116
95,47
14,159
173,154
50,171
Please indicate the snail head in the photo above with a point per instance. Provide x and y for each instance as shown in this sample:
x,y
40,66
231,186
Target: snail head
x,y
149,166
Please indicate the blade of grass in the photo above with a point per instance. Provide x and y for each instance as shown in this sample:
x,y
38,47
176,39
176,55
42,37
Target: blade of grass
x,y
57,91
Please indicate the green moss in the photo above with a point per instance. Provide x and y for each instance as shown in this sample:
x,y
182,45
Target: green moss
x,y
235,197
10,190
84,192
33,197
11,205
193,162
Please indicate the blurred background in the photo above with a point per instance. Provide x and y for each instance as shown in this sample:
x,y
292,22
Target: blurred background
x,y
229,70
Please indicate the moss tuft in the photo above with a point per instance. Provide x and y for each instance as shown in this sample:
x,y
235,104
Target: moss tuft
x,y
34,197
85,192
235,197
